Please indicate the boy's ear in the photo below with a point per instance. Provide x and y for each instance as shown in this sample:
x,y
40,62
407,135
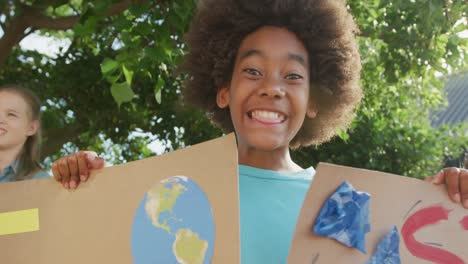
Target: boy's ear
x,y
222,97
311,110
33,127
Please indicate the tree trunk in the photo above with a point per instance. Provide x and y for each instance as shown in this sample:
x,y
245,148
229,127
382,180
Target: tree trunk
x,y
54,138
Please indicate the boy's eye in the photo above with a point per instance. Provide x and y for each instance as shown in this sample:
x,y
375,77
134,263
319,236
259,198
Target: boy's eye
x,y
293,76
12,114
252,71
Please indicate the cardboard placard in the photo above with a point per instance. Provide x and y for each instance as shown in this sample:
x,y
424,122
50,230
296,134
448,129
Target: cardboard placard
x,y
94,224
395,200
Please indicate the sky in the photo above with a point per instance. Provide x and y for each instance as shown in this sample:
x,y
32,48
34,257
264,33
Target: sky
x,y
49,46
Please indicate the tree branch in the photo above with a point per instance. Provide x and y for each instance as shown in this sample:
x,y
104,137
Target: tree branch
x,y
3,8
37,20
122,6
34,18
13,34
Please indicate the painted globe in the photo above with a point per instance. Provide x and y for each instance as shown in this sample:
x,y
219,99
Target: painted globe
x,y
173,224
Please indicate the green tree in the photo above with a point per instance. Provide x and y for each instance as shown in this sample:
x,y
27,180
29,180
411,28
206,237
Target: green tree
x,y
119,75
404,46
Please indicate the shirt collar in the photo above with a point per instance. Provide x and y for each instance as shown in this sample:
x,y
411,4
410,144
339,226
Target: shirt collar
x,y
14,166
9,172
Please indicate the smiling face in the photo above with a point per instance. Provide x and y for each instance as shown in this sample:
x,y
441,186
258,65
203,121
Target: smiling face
x,y
268,96
15,121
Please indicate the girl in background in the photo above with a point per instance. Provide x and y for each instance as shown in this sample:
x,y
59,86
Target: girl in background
x,y
20,135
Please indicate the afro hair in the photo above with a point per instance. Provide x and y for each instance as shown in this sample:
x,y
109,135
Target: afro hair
x,y
327,31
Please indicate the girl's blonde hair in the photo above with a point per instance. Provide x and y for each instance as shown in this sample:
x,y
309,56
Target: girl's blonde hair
x,y
29,157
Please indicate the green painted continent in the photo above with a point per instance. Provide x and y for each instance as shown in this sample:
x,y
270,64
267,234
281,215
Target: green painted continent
x,y
189,248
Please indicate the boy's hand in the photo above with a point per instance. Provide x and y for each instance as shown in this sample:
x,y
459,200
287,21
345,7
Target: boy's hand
x,y
456,180
74,168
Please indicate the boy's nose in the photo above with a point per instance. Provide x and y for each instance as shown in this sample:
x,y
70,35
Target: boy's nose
x,y
272,88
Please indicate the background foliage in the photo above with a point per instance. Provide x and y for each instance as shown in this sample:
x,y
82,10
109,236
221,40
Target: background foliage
x,y
116,88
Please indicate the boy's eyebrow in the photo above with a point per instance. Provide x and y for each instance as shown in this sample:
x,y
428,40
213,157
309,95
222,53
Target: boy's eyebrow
x,y
291,56
297,58
250,53
12,110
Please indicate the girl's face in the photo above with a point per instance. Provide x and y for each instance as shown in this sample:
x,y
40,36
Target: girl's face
x,y
268,96
15,120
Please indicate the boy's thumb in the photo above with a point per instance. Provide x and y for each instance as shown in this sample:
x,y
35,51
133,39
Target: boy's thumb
x,y
94,162
438,178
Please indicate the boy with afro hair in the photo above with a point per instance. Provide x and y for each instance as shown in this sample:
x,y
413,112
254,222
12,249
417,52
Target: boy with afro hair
x,y
281,74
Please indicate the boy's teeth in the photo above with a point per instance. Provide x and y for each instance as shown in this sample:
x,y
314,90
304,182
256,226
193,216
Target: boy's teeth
x,y
267,115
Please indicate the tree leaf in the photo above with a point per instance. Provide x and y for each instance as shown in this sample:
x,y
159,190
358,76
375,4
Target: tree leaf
x,y
128,75
157,96
108,66
113,78
158,88
122,93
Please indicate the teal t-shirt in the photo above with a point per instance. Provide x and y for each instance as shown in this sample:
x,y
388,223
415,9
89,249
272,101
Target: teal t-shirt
x,y
9,173
269,206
